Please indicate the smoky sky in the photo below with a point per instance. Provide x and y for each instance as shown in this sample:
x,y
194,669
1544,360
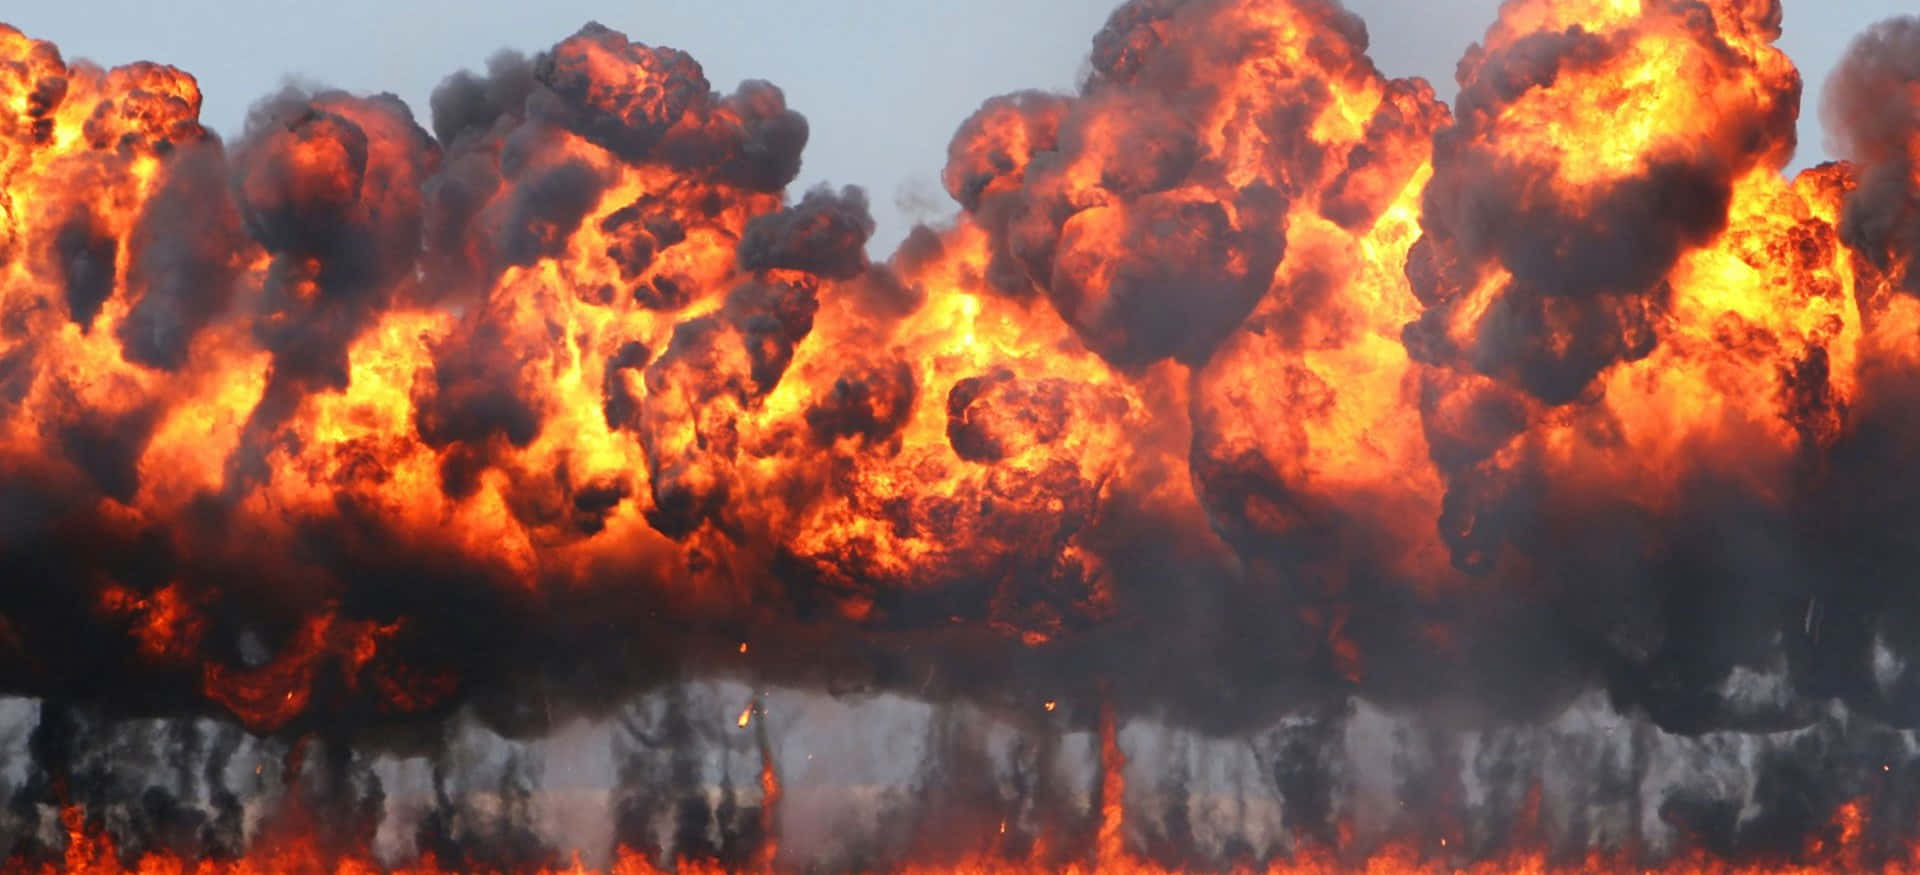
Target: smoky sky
x,y
882,83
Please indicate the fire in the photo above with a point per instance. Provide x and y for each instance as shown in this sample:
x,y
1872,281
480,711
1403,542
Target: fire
x,y
89,851
1248,380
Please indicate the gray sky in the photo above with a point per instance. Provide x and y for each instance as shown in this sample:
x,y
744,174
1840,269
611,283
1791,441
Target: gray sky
x,y
884,83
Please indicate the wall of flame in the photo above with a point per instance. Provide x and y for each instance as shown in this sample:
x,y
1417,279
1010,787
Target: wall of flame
x,y
1245,376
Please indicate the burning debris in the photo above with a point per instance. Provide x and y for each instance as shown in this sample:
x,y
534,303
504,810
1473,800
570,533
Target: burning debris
x,y
1351,480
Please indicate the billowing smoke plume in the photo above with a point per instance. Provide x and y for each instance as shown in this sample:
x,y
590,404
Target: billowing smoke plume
x,y
1521,477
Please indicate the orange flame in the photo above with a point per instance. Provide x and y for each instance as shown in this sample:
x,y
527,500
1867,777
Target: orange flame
x,y
342,419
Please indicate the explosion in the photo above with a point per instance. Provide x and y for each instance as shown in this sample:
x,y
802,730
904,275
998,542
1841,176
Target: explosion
x,y
1268,468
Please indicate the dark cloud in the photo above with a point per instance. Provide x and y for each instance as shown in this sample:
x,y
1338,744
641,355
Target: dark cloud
x,y
1871,113
825,235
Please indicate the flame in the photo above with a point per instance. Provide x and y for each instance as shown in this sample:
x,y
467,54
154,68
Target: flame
x,y
1110,842
90,851
349,421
